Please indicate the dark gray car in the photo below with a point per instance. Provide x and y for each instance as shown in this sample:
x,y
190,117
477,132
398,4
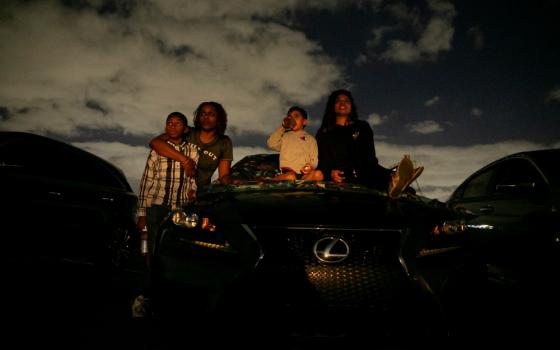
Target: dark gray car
x,y
62,204
516,202
515,230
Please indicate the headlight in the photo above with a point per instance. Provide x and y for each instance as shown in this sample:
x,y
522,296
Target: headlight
x,y
180,218
449,228
192,220
205,236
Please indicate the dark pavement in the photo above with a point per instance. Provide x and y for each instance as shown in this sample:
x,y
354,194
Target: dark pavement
x,y
75,307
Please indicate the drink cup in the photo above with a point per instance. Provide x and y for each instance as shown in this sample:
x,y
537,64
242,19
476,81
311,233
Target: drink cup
x,y
288,123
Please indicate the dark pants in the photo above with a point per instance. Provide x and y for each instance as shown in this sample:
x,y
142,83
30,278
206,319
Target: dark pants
x,y
155,216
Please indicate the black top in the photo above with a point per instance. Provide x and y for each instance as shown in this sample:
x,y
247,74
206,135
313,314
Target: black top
x,y
351,148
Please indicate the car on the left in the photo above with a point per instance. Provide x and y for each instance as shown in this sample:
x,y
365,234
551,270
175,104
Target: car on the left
x,y
67,219
62,205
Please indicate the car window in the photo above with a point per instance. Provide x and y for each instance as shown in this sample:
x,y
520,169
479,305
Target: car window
x,y
478,185
517,174
548,162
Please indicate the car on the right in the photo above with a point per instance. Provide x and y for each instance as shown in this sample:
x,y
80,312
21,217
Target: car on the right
x,y
516,224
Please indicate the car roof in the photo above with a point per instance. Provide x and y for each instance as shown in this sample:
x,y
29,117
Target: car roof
x,y
536,154
20,136
545,159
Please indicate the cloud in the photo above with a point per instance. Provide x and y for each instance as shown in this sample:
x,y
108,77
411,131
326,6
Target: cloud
x,y
65,70
432,101
477,112
425,127
376,119
554,94
434,33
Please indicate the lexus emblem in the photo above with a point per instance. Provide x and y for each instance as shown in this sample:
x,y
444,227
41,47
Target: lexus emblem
x,y
331,250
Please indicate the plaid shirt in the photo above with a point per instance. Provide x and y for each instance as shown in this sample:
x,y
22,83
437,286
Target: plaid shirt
x,y
164,182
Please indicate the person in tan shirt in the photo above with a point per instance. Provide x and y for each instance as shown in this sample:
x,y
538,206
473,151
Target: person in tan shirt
x,y
298,149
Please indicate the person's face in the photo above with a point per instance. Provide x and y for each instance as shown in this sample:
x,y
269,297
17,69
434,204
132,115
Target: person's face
x,y
208,118
342,105
175,128
299,120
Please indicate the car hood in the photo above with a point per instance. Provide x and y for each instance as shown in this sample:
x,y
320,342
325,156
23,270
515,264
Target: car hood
x,y
315,203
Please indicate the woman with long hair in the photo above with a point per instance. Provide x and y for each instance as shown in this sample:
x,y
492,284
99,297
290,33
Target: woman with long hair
x,y
347,149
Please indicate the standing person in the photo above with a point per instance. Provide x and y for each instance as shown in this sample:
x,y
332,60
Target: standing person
x,y
347,149
215,148
165,186
298,149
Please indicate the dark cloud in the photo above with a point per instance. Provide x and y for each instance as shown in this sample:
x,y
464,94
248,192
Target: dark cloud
x,y
96,106
4,113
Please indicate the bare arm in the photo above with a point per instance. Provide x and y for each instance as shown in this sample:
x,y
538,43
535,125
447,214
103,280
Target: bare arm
x,y
223,171
164,149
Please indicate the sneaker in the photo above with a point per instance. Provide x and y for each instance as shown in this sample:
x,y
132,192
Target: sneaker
x,y
139,306
403,176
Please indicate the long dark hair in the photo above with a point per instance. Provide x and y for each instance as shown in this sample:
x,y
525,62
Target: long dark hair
x,y
329,117
221,122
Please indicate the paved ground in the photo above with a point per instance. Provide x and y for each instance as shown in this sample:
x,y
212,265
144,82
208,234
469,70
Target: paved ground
x,y
75,308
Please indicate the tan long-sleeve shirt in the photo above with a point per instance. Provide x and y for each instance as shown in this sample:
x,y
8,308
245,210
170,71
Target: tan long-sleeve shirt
x,y
297,148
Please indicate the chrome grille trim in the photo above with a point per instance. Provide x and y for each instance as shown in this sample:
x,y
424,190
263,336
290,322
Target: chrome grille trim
x,y
373,275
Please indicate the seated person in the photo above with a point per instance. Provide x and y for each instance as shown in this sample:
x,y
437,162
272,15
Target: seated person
x,y
298,148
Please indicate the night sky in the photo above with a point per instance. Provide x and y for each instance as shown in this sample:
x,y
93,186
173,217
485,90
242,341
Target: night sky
x,y
456,84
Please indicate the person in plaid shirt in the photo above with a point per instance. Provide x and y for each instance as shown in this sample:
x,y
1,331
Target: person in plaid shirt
x,y
167,184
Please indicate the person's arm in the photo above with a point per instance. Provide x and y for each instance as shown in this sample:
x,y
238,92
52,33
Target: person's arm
x,y
365,153
313,153
164,149
365,144
224,165
275,139
324,156
160,145
147,190
224,171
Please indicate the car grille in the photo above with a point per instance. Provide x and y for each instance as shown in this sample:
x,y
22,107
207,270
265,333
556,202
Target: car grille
x,y
370,277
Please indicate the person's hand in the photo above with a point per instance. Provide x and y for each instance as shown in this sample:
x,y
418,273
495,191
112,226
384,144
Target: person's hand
x,y
307,168
141,223
188,166
336,176
225,179
288,123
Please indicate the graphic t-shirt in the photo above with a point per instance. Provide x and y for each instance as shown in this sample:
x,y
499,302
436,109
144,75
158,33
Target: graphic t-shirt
x,y
209,156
